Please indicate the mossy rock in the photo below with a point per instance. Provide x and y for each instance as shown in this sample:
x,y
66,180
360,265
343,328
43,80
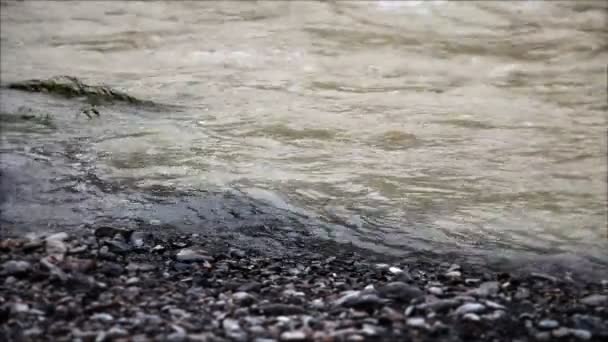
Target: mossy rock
x,y
72,87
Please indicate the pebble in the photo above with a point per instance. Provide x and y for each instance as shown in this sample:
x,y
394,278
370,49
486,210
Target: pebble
x,y
471,317
233,329
14,267
437,291
295,335
417,322
489,288
282,309
243,298
189,255
560,332
469,308
102,317
395,270
400,290
581,334
453,274
595,300
548,324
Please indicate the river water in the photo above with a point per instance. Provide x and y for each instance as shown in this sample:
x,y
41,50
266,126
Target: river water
x,y
473,126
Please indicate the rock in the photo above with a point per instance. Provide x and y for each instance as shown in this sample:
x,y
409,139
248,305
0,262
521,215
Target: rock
x,y
439,305
190,255
542,336
282,310
401,291
437,291
243,298
53,269
58,236
55,244
560,332
522,293
581,334
104,317
361,301
548,324
470,308
417,322
137,239
395,270
233,330
110,232
118,247
133,267
489,288
494,305
178,335
595,300
471,317
15,267
295,335
453,274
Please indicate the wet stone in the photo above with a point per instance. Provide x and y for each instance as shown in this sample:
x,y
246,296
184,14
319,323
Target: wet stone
x,y
595,300
400,291
548,324
14,267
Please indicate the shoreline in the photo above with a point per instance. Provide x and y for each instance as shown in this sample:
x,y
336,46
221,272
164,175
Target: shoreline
x,y
111,283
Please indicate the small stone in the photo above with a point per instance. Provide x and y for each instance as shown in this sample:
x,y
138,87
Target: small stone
x,y
133,267
14,267
548,324
470,308
417,322
137,239
522,293
581,334
439,305
401,291
233,329
395,270
118,247
560,332
189,255
437,291
295,335
58,236
158,248
489,288
494,305
19,308
471,317
178,335
495,315
243,298
155,222
282,309
102,317
595,300
117,331
543,336
55,246
109,232
453,274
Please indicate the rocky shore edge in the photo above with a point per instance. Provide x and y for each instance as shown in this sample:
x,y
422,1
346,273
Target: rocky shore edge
x,y
114,284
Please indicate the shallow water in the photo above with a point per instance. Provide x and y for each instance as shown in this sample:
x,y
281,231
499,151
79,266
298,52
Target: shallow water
x,y
478,126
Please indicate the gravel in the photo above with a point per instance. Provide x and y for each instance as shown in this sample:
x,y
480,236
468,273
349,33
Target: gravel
x,y
116,284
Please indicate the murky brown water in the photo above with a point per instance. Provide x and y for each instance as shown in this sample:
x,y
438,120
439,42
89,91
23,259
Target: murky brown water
x,y
476,125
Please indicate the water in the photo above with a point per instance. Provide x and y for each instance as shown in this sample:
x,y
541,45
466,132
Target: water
x,y
477,126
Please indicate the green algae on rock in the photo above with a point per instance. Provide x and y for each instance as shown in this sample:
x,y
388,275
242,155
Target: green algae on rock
x,y
70,87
